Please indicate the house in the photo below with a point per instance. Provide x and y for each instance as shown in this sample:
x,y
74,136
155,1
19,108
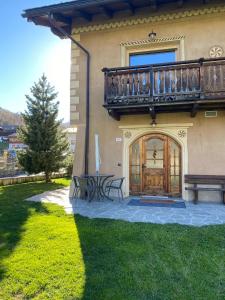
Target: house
x,y
148,76
15,143
5,132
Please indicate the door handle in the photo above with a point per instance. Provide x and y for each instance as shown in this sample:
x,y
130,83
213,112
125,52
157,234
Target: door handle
x,y
143,166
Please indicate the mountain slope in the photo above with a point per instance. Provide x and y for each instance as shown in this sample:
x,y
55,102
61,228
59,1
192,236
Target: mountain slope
x,y
9,118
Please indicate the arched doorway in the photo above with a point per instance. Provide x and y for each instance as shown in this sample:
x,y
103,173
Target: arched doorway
x,y
155,166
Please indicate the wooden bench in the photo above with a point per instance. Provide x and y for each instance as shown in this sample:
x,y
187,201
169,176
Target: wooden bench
x,y
197,180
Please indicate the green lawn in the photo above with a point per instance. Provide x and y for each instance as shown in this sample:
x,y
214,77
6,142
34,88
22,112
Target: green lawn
x,y
46,254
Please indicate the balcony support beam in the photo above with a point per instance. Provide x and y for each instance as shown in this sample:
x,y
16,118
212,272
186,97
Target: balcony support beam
x,y
114,114
194,110
152,113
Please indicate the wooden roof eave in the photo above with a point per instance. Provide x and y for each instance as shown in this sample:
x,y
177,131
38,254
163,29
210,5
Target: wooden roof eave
x,y
84,11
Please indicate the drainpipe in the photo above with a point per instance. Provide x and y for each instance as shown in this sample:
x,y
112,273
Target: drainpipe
x,y
54,25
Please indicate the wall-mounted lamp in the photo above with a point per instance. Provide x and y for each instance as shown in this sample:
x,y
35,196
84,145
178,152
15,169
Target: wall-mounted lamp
x,y
152,35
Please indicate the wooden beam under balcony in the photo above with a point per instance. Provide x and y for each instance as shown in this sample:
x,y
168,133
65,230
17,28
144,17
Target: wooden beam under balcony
x,y
114,114
194,110
152,113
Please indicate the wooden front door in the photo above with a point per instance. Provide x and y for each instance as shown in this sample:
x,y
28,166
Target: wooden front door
x,y
155,166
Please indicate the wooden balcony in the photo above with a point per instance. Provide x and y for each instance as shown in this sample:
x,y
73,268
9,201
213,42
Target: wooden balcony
x,y
186,86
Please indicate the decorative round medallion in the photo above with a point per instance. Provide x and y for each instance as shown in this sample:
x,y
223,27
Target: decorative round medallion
x,y
216,51
181,133
127,134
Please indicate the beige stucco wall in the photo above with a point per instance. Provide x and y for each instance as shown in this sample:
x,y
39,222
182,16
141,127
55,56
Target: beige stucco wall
x,y
206,138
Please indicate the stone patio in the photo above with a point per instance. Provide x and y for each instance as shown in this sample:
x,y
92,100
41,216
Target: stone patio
x,y
195,215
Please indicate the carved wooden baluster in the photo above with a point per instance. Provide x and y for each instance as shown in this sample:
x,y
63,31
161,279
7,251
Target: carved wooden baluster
x,y
194,79
124,85
173,83
140,83
211,78
118,80
144,83
205,77
197,79
214,78
167,81
222,76
130,84
113,86
184,80
148,84
127,85
178,79
162,83
135,83
188,80
217,79
109,83
170,81
117,85
191,80
156,83
209,85
127,82
181,80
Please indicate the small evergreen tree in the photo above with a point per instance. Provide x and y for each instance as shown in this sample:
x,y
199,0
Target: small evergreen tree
x,y
42,133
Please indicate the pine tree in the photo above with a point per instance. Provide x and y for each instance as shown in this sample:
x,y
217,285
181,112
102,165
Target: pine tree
x,y
42,133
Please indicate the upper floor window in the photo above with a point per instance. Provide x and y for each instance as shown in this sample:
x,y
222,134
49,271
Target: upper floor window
x,y
137,59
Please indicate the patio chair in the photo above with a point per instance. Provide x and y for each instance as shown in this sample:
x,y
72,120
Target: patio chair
x,y
86,187
115,184
76,190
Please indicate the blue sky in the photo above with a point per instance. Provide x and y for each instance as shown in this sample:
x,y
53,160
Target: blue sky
x,y
26,52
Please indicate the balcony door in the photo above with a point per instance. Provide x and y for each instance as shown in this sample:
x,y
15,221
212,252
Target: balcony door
x,y
155,166
149,58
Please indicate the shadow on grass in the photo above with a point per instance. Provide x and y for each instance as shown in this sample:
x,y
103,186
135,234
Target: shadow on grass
x,y
137,261
14,212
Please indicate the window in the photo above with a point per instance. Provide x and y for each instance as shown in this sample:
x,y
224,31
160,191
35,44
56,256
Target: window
x,y
152,58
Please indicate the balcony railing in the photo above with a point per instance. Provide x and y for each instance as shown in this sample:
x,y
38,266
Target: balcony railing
x,y
175,83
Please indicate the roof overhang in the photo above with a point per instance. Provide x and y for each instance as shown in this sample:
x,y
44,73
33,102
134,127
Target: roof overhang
x,y
83,12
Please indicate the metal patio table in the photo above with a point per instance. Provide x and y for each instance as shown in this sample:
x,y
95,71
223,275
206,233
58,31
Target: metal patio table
x,y
99,181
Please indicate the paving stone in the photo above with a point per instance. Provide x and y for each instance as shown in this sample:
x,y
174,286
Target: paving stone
x,y
195,215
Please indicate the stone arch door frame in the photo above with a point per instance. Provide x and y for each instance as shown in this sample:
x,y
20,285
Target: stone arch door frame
x,y
178,132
